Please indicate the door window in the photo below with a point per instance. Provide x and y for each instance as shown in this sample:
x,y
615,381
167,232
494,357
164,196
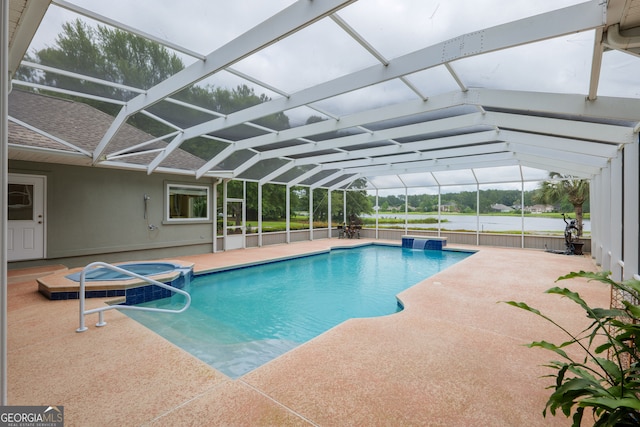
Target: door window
x,y
20,202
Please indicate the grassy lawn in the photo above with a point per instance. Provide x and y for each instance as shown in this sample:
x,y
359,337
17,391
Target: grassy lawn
x,y
302,223
527,215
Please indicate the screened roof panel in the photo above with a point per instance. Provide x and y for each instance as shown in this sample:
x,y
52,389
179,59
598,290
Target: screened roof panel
x,y
364,99
498,174
418,180
455,177
618,75
304,115
325,136
300,60
434,81
282,145
309,154
321,175
194,24
177,115
293,173
236,159
502,186
422,117
532,174
240,132
341,181
261,169
384,182
402,27
533,67
368,146
456,91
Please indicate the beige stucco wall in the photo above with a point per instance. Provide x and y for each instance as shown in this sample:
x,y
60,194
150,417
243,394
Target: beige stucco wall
x,y
99,211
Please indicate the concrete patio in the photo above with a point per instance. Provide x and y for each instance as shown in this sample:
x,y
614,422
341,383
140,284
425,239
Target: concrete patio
x,y
453,357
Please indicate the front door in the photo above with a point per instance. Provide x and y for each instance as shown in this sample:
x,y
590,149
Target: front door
x,y
25,234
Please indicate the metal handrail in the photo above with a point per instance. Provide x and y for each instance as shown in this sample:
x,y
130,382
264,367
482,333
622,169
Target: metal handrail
x,y
101,310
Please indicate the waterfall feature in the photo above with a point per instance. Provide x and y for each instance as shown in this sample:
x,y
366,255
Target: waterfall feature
x,y
419,243
424,242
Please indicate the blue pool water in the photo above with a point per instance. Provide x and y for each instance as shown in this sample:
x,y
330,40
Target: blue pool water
x,y
243,318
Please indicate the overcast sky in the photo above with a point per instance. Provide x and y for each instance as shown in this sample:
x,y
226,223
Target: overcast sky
x,y
393,27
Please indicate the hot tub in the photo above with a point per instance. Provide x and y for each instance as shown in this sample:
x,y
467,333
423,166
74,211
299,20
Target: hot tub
x,y
102,274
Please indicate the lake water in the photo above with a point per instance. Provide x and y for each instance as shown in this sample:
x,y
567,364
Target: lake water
x,y
488,223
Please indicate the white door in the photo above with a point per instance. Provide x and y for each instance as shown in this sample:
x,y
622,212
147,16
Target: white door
x,y
234,237
25,236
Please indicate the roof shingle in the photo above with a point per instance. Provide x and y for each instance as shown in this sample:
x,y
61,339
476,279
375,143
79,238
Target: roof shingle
x,y
82,126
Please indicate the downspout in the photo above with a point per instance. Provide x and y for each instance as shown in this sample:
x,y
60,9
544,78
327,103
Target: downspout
x,y
617,41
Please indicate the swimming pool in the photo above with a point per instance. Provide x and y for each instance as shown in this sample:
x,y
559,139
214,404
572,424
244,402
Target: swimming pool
x,y
242,318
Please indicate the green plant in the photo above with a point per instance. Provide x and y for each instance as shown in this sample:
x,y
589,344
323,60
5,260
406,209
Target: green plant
x,y
606,377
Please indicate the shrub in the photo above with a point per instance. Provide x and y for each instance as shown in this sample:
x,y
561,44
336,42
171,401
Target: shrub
x,y
606,380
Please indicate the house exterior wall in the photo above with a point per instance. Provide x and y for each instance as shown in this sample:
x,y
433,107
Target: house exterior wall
x,y
99,214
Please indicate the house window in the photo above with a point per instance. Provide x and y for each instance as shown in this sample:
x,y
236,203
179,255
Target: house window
x,y
187,202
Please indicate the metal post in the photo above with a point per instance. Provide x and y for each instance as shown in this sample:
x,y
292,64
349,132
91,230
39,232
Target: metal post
x,y
244,214
4,178
225,193
214,246
631,222
439,209
288,213
344,206
477,214
406,210
329,212
616,217
522,207
596,218
259,214
605,201
310,213
377,212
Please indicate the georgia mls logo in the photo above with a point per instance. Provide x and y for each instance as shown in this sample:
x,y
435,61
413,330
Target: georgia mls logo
x,y
31,416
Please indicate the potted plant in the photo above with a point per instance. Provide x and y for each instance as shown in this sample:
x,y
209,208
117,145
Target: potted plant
x,y
605,379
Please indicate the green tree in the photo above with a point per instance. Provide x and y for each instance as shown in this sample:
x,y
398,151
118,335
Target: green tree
x,y
127,59
358,202
561,187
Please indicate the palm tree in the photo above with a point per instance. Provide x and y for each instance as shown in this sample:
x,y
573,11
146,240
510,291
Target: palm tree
x,y
560,186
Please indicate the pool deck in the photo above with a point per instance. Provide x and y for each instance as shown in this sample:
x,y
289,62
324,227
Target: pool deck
x,y
453,357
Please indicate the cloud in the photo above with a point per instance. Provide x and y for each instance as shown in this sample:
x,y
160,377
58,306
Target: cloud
x,y
323,51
